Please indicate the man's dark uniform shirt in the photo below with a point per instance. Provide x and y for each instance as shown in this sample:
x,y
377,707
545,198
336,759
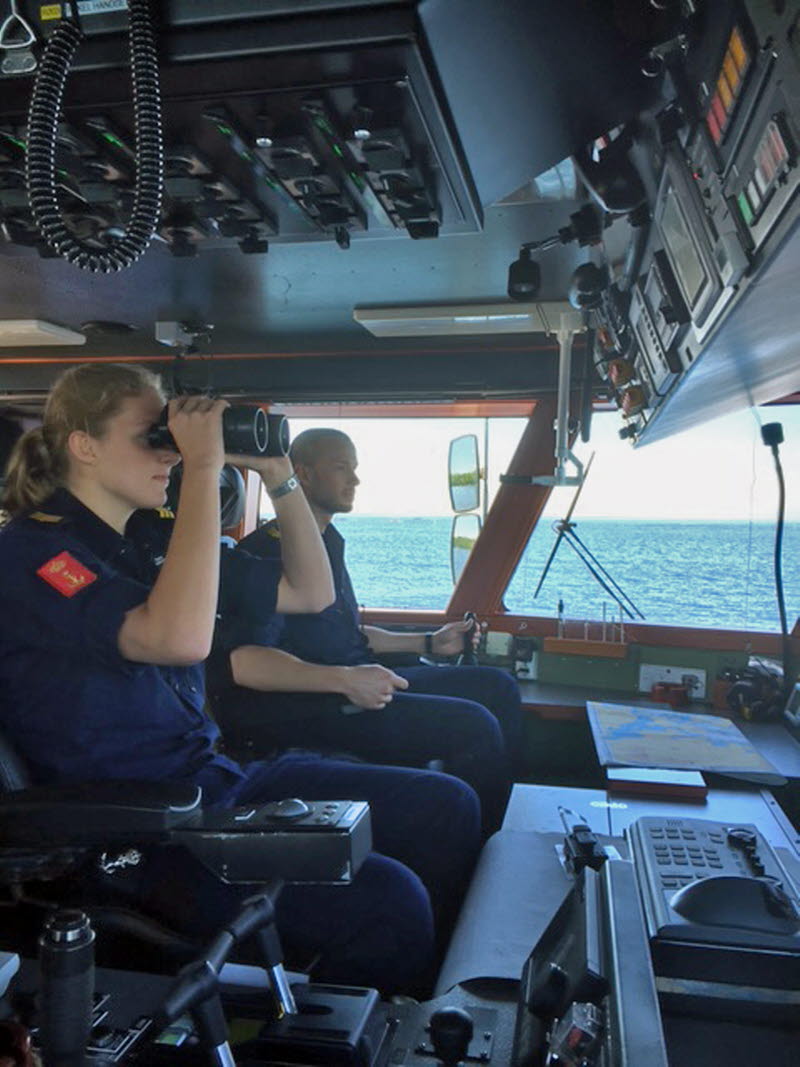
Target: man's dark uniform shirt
x,y
461,715
332,636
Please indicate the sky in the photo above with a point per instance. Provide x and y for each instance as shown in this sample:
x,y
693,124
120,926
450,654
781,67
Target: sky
x,y
719,470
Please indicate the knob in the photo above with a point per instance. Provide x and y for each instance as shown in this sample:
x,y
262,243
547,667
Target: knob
x,y
451,1032
630,430
746,840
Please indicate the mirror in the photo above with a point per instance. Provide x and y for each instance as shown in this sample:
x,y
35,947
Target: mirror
x,y
463,474
463,535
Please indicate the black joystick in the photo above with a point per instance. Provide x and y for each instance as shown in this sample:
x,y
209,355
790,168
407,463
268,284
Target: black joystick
x,y
66,960
451,1032
468,657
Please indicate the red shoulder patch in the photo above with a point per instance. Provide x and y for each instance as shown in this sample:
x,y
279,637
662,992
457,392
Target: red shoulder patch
x,y
66,574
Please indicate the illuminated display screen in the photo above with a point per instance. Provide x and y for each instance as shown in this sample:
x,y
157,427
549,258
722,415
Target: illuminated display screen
x,y
685,260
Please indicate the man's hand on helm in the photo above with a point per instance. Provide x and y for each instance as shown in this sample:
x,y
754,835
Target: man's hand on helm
x,y
449,639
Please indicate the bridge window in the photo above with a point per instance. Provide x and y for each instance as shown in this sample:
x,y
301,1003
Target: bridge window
x,y
685,527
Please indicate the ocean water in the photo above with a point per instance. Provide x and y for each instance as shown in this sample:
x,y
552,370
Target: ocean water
x,y
677,573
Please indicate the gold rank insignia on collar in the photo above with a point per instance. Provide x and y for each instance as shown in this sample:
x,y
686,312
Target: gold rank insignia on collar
x,y
273,529
42,516
165,513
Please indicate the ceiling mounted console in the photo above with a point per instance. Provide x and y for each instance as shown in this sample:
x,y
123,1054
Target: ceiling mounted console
x,y
326,120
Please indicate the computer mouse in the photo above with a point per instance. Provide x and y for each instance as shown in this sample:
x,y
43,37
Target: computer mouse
x,y
737,900
289,808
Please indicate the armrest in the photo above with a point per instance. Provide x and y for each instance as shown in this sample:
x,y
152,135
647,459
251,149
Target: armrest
x,y
318,841
96,813
291,840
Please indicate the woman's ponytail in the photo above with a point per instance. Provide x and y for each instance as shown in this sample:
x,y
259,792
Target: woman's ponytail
x,y
30,475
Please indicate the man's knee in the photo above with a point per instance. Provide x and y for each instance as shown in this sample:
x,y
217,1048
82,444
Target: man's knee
x,y
491,686
477,728
497,687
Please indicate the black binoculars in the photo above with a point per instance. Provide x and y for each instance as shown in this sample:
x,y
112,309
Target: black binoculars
x,y
246,431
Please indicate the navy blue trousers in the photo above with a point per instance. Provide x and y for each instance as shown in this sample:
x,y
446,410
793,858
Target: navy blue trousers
x,y
467,717
494,689
385,928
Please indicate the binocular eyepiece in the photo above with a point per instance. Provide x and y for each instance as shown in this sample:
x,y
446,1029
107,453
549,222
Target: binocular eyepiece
x,y
246,431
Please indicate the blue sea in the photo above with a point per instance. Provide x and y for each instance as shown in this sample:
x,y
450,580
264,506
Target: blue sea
x,y
681,573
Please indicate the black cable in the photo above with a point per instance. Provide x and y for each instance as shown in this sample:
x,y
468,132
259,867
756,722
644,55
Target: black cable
x,y
43,119
772,435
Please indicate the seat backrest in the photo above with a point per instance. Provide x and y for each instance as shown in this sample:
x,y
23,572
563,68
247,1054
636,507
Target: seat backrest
x,y
10,430
13,772
232,494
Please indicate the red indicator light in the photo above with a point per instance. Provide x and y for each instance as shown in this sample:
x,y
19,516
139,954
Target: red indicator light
x,y
719,111
713,127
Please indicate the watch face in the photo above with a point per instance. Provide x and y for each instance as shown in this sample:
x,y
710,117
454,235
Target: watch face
x,y
284,488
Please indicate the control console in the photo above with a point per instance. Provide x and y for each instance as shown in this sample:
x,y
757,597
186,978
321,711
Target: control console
x,y
720,907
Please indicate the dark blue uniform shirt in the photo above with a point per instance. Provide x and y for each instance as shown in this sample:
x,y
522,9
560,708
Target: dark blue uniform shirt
x,y
332,636
70,702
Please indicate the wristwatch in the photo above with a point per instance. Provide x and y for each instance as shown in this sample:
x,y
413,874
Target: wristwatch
x,y
284,488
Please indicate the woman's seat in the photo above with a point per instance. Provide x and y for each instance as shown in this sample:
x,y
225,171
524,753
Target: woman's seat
x,y
116,849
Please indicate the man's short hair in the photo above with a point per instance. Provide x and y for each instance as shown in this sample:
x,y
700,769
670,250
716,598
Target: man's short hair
x,y
305,448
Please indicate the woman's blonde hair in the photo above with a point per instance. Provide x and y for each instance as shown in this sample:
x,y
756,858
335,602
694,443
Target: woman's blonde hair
x,y
83,398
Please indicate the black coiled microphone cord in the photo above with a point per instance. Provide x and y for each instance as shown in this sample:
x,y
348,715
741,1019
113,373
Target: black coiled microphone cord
x,y
43,118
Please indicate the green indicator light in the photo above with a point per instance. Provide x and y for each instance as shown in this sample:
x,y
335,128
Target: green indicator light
x,y
225,129
16,141
337,150
113,140
744,207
